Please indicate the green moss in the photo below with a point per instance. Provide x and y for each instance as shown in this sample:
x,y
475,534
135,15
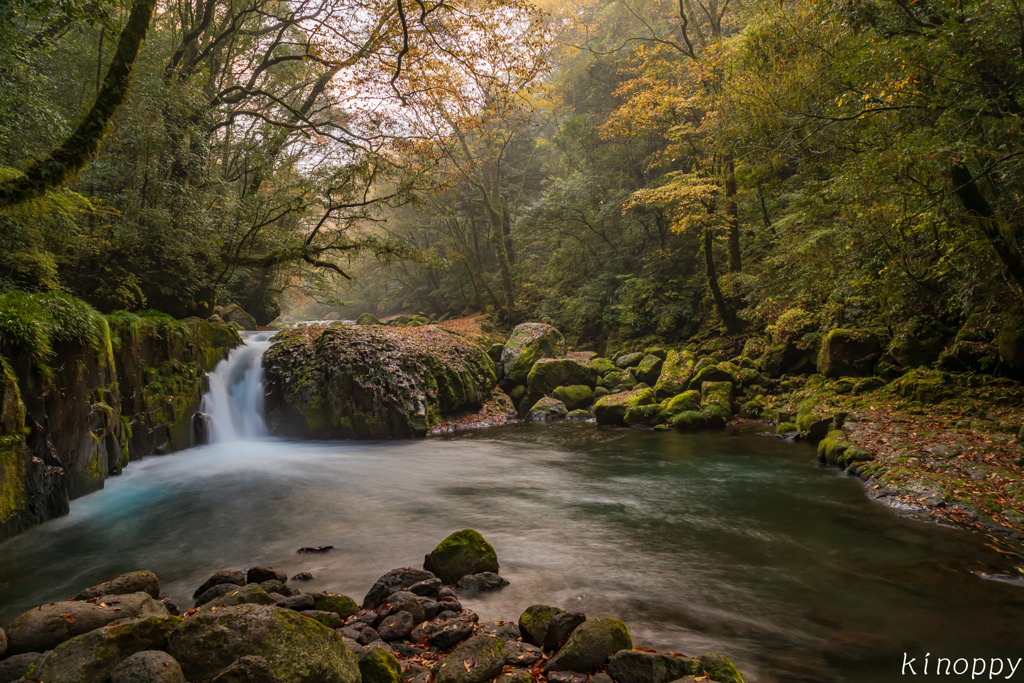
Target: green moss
x,y
611,410
688,400
575,396
463,552
675,374
786,428
645,416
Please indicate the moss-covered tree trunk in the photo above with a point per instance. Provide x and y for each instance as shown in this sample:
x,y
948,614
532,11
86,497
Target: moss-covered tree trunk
x,y
78,150
727,315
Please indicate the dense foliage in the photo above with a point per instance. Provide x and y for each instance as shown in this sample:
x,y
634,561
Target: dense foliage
x,y
623,168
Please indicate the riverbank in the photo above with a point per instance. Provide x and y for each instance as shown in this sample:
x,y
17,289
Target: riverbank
x,y
256,626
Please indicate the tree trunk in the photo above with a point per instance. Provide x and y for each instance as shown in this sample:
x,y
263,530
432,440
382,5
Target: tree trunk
x,y
999,235
62,165
727,315
732,214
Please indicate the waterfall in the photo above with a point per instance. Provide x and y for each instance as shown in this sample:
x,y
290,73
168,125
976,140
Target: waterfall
x,y
234,404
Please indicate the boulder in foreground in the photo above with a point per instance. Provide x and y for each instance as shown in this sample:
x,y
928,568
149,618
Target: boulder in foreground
x,y
464,552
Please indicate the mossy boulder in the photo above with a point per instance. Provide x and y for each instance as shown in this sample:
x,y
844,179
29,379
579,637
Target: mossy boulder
x,y
368,319
786,428
578,415
631,666
378,665
656,351
1010,340
547,408
148,666
372,381
603,366
754,348
715,408
675,374
629,360
649,369
91,657
918,343
590,645
298,649
476,660
849,353
719,668
974,349
600,392
611,410
688,400
534,622
464,552
719,372
574,396
548,374
717,394
834,449
47,626
688,420
233,313
517,395
618,379
132,582
926,386
342,605
529,343
645,416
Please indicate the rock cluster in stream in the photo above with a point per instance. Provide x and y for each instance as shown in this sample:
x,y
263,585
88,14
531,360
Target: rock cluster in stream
x,y
250,626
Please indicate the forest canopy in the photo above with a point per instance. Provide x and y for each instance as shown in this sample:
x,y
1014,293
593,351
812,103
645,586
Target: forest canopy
x,y
620,168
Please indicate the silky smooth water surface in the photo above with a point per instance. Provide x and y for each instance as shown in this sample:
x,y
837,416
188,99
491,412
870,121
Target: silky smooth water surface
x,y
738,544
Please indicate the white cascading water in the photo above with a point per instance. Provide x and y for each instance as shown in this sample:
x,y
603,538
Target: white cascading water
x,y
234,403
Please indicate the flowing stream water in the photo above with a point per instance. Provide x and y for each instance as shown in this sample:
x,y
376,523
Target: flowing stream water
x,y
729,542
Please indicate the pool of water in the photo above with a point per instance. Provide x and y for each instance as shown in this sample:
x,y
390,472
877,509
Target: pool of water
x,y
733,543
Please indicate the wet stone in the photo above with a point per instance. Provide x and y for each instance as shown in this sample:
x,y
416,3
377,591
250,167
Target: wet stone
x,y
566,677
449,633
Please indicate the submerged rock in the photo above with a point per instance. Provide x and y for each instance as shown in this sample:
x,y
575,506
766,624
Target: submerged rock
x,y
463,552
372,382
484,581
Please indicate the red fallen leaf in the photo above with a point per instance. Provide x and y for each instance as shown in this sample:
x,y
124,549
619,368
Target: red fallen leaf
x,y
68,618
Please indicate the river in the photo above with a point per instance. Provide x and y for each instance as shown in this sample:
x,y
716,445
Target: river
x,y
730,542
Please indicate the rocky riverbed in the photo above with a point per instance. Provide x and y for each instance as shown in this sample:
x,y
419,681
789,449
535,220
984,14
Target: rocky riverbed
x,y
256,626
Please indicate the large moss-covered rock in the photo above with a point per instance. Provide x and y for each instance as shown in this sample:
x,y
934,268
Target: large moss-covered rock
x,y
528,343
849,353
377,665
719,372
298,649
547,408
548,374
464,552
534,622
47,626
688,400
629,360
649,369
834,449
926,386
618,380
372,382
342,605
368,319
591,644
675,374
132,582
575,396
719,668
91,657
476,660
645,416
1010,340
918,343
611,410
603,366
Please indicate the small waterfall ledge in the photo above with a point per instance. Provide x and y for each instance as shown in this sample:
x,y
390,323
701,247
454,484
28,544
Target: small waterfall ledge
x,y
232,408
